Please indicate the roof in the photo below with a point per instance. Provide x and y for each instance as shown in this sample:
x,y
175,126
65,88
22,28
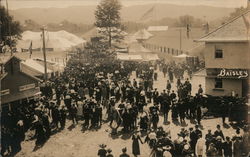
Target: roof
x,y
235,30
142,34
58,40
31,76
6,59
35,66
171,38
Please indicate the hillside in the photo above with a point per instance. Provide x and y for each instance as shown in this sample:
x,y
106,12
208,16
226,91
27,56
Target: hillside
x,y
85,14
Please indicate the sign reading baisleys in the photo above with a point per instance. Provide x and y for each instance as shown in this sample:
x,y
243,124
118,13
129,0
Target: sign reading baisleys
x,y
235,73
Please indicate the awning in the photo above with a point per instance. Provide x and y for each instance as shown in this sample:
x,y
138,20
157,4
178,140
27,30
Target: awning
x,y
20,95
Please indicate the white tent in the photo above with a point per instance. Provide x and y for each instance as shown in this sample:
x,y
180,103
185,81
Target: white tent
x,y
60,40
129,57
142,35
182,56
157,28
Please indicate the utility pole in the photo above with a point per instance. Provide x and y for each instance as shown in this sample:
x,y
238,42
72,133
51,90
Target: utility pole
x,y
180,39
44,56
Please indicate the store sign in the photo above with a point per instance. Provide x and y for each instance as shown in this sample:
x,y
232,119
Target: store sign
x,y
235,73
26,87
5,92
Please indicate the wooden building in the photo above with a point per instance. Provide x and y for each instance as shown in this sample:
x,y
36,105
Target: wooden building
x,y
16,85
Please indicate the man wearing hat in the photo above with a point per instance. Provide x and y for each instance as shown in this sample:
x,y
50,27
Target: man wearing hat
x,y
102,151
155,96
209,138
219,146
218,132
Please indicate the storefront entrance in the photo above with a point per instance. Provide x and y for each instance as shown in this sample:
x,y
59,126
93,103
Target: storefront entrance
x,y
245,87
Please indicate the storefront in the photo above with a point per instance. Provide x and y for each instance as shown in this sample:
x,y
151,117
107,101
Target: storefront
x,y
227,82
227,53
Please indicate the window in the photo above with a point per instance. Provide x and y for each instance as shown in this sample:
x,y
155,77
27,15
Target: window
x,y
218,83
218,53
5,92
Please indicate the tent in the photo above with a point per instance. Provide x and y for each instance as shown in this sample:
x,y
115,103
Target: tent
x,y
182,56
142,35
157,28
60,40
129,57
34,68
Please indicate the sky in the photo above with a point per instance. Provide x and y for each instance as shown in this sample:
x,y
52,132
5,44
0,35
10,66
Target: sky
x,y
17,4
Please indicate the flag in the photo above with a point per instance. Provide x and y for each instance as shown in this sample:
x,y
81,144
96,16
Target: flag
x,y
246,18
188,30
30,49
148,14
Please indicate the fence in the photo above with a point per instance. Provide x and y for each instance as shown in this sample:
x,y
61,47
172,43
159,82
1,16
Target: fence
x,y
164,49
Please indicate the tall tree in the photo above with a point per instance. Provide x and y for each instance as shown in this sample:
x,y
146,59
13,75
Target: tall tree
x,y
108,21
10,30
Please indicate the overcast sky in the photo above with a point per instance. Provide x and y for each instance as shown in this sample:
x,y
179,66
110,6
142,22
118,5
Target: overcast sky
x,y
15,4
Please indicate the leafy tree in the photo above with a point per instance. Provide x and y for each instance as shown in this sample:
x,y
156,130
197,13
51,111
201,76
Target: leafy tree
x,y
10,30
108,20
185,20
238,12
31,25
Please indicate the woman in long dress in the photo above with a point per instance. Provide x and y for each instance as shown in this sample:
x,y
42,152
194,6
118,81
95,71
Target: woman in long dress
x,y
135,144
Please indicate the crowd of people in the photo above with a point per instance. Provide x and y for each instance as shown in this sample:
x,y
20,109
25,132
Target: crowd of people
x,y
189,143
89,91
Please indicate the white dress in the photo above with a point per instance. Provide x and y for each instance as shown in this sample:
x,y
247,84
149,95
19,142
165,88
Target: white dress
x,y
200,149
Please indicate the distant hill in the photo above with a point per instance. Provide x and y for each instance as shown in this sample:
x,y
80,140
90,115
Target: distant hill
x,y
85,14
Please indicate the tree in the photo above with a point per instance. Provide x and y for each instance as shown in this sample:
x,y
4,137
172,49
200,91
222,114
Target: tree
x,y
10,30
108,20
238,12
31,25
186,20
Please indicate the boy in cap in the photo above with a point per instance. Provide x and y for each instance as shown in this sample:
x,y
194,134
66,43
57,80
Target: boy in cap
x,y
109,153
